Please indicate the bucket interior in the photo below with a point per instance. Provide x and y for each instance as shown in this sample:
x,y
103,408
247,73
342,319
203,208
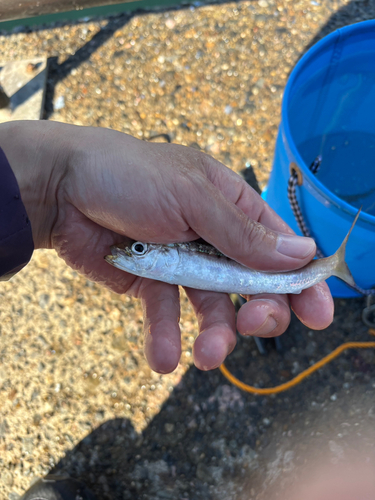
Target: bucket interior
x,y
331,112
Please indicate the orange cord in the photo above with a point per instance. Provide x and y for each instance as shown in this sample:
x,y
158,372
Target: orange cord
x,y
298,379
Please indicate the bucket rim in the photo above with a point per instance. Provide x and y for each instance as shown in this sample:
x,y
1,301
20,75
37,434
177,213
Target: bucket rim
x,y
362,26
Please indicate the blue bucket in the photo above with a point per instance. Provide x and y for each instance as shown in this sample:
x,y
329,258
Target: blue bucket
x,y
329,110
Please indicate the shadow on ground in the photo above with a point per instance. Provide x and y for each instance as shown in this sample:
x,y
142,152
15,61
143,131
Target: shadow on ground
x,y
211,441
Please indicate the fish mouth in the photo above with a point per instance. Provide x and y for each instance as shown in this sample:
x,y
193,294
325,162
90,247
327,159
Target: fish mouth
x,y
118,251
110,259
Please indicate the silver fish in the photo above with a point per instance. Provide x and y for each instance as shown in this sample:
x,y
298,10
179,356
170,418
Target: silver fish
x,y
201,266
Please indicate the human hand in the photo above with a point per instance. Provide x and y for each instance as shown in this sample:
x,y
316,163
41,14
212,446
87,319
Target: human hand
x,y
86,189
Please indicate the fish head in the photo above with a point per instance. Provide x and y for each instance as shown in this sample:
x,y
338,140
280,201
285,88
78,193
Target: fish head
x,y
149,260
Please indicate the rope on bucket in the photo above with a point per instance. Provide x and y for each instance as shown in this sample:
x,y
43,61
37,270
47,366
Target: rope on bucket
x,y
296,179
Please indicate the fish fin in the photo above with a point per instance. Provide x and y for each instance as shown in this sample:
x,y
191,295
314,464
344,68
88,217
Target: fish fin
x,y
341,269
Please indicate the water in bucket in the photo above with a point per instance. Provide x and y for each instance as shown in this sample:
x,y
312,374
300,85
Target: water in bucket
x,y
348,156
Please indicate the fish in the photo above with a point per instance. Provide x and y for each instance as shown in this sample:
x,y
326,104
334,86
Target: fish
x,y
201,266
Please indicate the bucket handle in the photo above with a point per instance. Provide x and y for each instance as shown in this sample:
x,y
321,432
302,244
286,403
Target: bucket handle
x,y
296,179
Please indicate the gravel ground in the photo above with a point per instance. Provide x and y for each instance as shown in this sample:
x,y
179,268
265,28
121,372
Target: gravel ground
x,y
77,394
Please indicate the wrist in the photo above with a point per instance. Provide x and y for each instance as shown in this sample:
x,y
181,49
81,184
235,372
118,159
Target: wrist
x,y
37,160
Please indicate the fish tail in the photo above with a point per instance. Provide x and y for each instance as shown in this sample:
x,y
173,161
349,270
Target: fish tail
x,y
341,269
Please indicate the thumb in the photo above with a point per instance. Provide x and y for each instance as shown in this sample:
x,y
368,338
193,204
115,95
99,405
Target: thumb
x,y
225,226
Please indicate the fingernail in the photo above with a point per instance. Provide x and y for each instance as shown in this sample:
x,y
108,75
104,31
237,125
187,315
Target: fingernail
x,y
268,327
295,246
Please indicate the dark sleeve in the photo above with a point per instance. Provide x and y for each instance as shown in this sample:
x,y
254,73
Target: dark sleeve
x,y
16,240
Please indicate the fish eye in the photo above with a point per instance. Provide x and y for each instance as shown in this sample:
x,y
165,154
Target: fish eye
x,y
139,248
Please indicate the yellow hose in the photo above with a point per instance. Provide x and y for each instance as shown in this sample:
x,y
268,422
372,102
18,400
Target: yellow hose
x,y
298,379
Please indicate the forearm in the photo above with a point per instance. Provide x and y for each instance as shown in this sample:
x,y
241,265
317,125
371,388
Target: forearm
x,y
37,157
